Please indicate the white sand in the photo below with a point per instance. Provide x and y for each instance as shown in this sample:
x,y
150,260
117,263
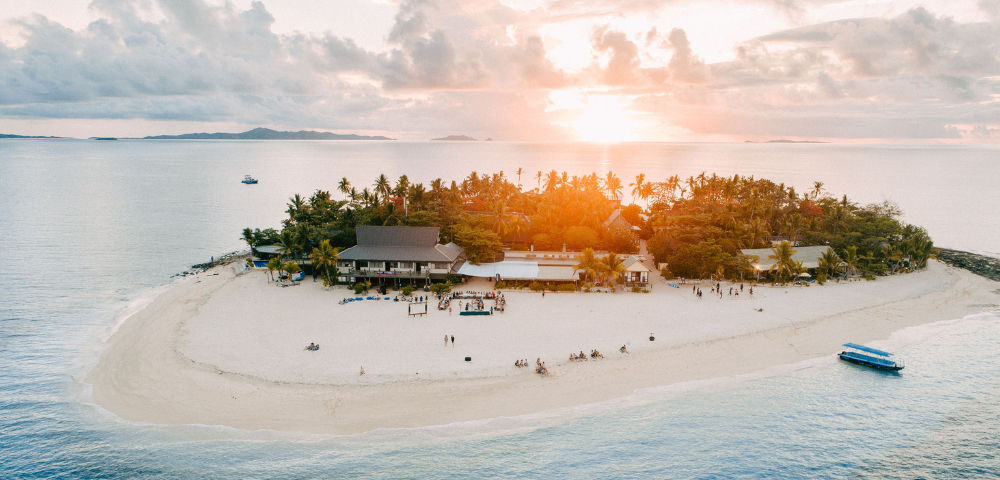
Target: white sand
x,y
225,350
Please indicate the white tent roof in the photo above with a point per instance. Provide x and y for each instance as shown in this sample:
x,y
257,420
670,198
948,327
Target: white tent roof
x,y
506,269
513,270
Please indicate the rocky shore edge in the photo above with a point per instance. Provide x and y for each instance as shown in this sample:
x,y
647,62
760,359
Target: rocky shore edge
x,y
981,265
216,261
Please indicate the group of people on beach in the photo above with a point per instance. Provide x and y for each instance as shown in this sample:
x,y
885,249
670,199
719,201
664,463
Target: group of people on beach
x,y
539,365
583,357
312,346
476,301
717,290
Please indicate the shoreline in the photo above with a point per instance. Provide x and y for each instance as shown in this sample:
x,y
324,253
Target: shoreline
x,y
165,365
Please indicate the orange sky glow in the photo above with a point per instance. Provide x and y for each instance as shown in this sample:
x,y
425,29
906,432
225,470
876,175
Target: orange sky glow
x,y
520,70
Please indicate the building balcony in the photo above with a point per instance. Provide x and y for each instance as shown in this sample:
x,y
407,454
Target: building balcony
x,y
383,274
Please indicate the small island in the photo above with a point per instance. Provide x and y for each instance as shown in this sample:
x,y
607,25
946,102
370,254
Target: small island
x,y
267,134
404,304
462,138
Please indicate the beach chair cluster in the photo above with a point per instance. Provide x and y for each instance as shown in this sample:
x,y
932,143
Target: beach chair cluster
x,y
361,299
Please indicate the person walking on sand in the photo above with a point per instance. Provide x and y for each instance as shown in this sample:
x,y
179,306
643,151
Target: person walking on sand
x,y
453,340
449,311
446,340
362,371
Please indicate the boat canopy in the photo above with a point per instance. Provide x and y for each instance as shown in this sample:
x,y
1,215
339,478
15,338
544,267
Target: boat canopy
x,y
868,349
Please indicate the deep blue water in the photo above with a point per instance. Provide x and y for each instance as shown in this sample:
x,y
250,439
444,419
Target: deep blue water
x,y
88,227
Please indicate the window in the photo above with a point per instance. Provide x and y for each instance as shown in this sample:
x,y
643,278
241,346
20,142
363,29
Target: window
x,y
362,264
402,265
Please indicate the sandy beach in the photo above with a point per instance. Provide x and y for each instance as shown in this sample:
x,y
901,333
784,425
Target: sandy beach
x,y
222,349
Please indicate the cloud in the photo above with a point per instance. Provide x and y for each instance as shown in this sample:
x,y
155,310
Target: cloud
x,y
483,68
909,76
203,62
685,66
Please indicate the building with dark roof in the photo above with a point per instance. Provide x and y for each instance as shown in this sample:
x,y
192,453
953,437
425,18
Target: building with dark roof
x,y
398,255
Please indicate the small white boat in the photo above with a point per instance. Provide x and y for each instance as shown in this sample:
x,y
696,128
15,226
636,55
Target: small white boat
x,y
249,180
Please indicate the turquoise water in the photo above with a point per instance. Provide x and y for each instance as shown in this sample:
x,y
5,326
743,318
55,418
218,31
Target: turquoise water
x,y
87,228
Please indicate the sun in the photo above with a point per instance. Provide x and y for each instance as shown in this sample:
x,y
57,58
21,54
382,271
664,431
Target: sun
x,y
605,119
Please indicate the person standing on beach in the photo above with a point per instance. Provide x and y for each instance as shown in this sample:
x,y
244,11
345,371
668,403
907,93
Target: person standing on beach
x,y
446,340
362,371
453,340
449,311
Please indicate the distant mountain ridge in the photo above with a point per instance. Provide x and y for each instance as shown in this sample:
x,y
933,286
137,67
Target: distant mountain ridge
x,y
268,134
4,135
456,137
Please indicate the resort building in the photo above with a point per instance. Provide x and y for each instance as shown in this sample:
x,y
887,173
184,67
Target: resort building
x,y
549,267
397,255
636,272
616,220
528,266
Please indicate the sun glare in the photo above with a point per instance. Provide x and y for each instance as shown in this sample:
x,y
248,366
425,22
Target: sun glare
x,y
605,119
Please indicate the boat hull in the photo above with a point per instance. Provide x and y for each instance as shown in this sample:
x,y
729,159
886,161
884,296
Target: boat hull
x,y
859,361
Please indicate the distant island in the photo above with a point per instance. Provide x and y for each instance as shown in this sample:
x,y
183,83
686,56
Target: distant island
x,y
267,134
2,135
785,141
456,137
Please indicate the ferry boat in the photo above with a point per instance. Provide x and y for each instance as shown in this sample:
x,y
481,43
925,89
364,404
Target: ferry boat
x,y
247,179
871,357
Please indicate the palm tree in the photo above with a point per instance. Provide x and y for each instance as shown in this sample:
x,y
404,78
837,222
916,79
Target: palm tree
x,y
368,198
551,181
539,177
757,232
851,259
324,256
613,267
782,256
830,262
838,218
797,269
296,207
249,237
382,186
587,263
519,170
793,225
817,190
638,186
303,232
506,222
344,187
291,268
287,244
272,265
612,185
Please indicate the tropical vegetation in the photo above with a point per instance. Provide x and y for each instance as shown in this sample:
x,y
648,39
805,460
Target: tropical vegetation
x,y
697,226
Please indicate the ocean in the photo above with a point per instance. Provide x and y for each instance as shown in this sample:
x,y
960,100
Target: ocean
x,y
91,231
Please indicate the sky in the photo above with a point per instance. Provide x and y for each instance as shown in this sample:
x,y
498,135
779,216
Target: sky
x,y
520,70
